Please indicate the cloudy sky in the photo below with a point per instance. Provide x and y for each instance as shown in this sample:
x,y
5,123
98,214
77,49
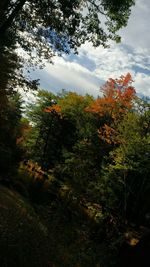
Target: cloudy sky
x,y
87,71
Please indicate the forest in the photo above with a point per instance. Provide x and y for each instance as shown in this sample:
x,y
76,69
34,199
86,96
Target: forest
x,y
74,169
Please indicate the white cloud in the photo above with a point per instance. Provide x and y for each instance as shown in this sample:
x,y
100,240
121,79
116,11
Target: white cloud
x,y
69,75
111,62
142,84
132,55
136,34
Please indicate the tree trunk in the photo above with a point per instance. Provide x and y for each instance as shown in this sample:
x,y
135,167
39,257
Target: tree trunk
x,y
8,22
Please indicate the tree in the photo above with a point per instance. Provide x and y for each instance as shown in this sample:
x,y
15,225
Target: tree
x,y
52,133
126,171
10,151
42,27
82,159
40,124
73,106
117,100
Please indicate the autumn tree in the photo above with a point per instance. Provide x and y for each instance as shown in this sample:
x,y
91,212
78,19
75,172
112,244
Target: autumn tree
x,y
82,162
52,132
124,184
117,100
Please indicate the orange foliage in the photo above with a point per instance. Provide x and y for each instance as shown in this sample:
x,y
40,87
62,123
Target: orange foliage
x,y
117,100
54,108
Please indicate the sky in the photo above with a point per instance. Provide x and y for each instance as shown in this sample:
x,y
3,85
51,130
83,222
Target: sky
x,y
91,68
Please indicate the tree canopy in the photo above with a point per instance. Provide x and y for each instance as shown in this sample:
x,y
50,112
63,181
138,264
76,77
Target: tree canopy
x,y
43,26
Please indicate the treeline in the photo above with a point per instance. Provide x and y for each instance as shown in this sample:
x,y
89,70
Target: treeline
x,y
99,147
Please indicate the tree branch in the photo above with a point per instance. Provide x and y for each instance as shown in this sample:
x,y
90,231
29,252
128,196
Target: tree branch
x,y
97,7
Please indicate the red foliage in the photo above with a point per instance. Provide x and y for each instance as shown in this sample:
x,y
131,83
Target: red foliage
x,y
117,100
